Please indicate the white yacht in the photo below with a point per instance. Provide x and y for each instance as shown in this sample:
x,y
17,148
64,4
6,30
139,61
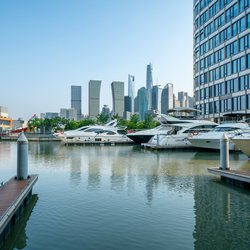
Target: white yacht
x,y
144,136
243,143
96,134
211,140
177,136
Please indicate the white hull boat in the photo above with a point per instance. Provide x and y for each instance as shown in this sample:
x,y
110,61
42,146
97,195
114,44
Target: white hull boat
x,y
177,137
243,143
211,140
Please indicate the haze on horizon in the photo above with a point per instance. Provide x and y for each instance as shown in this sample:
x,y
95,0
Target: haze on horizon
x,y
47,46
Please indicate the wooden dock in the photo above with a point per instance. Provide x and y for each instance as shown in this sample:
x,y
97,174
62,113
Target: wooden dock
x,y
239,178
14,196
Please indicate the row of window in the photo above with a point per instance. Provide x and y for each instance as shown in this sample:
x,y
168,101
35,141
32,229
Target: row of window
x,y
231,49
224,70
216,7
224,88
222,19
239,103
226,34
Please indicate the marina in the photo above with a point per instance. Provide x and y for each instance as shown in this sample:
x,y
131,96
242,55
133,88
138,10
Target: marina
x,y
129,198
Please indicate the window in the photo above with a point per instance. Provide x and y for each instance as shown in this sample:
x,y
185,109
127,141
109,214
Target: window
x,y
235,66
235,85
242,82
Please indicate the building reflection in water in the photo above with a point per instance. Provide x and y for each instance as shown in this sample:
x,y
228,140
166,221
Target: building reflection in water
x,y
218,209
17,237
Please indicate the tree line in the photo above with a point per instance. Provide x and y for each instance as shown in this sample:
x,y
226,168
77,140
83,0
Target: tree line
x,y
49,125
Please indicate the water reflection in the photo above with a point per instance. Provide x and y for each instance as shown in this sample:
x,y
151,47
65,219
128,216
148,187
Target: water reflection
x,y
156,200
17,238
222,219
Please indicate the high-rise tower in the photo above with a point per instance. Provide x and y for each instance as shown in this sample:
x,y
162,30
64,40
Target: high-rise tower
x,y
221,57
131,91
118,98
94,98
149,84
76,100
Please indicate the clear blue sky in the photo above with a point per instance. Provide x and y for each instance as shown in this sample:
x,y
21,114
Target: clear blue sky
x,y
48,45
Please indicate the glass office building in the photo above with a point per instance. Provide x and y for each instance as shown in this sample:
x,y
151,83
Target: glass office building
x,y
76,100
94,98
221,58
118,98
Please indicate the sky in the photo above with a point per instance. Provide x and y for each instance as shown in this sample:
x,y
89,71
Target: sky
x,y
48,45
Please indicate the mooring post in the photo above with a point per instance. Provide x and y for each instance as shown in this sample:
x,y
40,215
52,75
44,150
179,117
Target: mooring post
x,y
22,157
224,152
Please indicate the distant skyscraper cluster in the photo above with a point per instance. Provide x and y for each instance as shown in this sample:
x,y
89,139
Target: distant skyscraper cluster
x,y
148,100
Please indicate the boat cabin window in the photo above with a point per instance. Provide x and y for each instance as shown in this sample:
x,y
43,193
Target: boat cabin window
x,y
200,128
83,128
225,129
95,130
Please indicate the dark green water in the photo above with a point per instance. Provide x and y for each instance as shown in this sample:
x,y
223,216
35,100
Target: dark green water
x,y
125,197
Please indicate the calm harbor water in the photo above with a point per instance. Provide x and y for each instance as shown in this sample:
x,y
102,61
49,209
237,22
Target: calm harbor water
x,y
125,197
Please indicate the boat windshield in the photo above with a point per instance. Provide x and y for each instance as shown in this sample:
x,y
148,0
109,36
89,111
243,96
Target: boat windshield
x,y
225,129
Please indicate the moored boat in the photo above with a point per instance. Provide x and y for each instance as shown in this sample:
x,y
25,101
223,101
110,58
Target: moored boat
x,y
243,143
177,136
211,140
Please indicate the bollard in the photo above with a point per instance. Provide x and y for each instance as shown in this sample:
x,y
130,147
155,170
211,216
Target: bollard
x,y
22,157
224,152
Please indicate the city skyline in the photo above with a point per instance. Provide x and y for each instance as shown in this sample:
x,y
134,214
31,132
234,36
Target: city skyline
x,y
50,45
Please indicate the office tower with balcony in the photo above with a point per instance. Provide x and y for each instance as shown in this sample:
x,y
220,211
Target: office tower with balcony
x,y
76,100
94,98
131,91
118,98
149,84
221,58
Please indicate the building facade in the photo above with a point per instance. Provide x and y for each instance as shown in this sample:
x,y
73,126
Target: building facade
x,y
149,84
142,103
76,100
117,89
68,113
94,98
131,91
167,98
221,57
156,98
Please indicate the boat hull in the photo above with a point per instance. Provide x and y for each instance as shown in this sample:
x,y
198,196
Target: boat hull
x,y
243,144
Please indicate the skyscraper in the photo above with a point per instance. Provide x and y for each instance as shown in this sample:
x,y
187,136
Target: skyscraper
x,y
149,84
167,98
156,98
94,98
221,57
142,102
131,91
118,98
76,100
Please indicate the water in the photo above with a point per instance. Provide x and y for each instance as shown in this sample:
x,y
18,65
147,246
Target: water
x,y
125,197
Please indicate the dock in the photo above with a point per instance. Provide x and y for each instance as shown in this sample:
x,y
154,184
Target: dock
x,y
236,177
100,143
14,197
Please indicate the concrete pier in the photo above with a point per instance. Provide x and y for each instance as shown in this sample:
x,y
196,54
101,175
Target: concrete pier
x,y
239,178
